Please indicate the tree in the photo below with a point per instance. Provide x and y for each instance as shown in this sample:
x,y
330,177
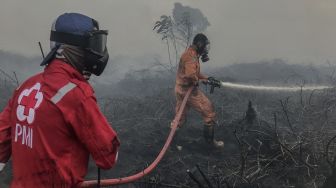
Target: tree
x,y
177,30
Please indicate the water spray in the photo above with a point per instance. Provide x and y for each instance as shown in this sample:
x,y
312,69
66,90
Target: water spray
x,y
273,88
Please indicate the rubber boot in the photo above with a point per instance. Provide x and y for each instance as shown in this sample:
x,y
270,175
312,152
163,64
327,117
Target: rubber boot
x,y
209,132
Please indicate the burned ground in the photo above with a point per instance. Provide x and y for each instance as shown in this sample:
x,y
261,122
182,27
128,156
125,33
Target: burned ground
x,y
284,145
283,140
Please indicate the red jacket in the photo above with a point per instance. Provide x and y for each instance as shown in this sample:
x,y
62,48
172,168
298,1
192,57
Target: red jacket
x,y
50,126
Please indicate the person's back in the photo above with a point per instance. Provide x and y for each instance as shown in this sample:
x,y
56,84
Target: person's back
x,y
51,125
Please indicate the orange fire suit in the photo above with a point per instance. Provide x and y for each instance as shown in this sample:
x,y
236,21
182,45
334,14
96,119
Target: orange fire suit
x,y
188,75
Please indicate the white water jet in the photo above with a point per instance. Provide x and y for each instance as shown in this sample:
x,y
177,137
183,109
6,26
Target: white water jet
x,y
272,88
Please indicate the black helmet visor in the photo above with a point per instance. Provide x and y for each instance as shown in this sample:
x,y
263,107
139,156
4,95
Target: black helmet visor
x,y
94,41
97,41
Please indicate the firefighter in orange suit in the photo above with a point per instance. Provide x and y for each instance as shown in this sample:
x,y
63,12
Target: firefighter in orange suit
x,y
189,75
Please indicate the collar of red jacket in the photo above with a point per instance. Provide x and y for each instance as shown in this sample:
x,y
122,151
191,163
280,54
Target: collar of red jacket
x,y
58,65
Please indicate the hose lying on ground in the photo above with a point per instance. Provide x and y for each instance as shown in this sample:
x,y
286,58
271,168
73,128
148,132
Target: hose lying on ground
x,y
132,178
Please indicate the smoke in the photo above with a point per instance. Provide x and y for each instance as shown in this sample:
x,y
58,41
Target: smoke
x,y
186,16
272,88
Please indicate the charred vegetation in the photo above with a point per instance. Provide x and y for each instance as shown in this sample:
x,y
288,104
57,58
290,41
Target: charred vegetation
x,y
272,139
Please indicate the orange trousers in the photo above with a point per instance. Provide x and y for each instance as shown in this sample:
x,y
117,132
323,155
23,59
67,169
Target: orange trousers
x,y
198,101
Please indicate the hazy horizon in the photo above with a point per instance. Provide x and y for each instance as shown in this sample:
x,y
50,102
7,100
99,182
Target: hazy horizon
x,y
241,31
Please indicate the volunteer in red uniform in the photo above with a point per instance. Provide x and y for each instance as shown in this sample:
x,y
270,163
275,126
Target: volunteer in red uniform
x,y
52,123
189,75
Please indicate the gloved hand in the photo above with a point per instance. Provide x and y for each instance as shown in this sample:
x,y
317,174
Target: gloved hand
x,y
213,83
211,79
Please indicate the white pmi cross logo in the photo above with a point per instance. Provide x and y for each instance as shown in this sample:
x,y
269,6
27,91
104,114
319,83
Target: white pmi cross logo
x,y
28,101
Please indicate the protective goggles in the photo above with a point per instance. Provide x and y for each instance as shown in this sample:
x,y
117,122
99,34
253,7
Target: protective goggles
x,y
94,41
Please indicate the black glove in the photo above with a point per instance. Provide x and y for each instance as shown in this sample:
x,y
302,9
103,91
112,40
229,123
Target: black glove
x,y
208,81
211,79
213,83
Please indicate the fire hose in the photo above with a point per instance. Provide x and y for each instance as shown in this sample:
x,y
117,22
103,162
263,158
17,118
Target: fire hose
x,y
213,83
150,168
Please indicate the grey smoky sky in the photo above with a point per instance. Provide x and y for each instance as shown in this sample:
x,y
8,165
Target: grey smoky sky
x,y
240,31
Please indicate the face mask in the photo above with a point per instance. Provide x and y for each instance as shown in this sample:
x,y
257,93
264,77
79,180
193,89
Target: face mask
x,y
94,44
204,53
97,56
96,63
205,58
